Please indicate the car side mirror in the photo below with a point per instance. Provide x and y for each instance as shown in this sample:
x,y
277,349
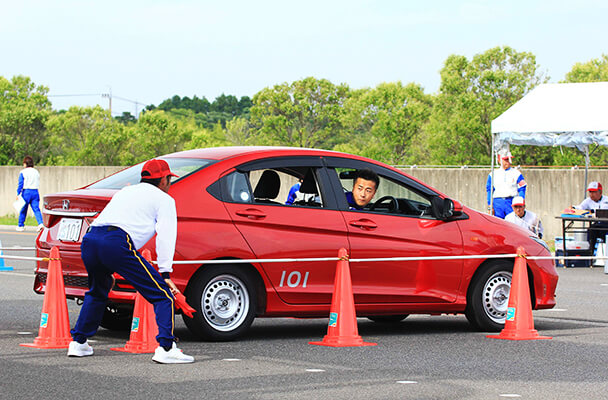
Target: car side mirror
x,y
442,209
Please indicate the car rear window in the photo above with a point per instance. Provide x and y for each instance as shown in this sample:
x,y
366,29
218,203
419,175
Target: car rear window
x,y
131,176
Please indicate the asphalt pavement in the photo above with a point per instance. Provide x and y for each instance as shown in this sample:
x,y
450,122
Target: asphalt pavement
x,y
423,357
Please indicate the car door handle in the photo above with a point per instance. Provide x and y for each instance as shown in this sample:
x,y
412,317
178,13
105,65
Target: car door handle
x,y
363,223
251,213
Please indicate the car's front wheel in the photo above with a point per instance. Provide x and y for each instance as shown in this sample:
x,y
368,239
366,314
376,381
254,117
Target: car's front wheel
x,y
488,296
224,299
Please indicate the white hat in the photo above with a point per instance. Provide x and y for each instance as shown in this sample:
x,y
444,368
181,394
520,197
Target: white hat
x,y
504,154
594,187
518,201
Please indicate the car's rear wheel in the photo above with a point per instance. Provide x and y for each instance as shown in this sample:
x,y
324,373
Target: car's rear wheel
x,y
117,317
224,299
388,319
488,296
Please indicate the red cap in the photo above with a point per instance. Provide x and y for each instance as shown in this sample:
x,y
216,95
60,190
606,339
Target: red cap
x,y
156,169
594,187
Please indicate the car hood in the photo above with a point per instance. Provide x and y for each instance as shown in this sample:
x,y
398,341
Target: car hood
x,y
532,246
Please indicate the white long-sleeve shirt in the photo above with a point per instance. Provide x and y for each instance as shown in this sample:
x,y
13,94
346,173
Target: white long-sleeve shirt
x,y
589,204
529,221
142,210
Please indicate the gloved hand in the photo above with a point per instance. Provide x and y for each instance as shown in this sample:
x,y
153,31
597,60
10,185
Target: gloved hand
x,y
182,304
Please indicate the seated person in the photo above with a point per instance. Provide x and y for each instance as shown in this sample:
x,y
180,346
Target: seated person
x,y
524,218
365,184
593,202
293,192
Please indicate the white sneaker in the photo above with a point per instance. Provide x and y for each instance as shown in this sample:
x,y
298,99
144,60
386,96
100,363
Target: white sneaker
x,y
173,356
79,349
20,228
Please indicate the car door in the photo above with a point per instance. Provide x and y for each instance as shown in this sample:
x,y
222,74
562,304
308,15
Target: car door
x,y
408,231
311,227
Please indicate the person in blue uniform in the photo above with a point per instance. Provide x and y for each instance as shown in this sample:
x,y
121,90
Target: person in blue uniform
x,y
508,183
129,221
27,187
293,192
365,185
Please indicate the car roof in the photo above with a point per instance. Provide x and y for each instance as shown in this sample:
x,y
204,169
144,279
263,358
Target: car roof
x,y
222,153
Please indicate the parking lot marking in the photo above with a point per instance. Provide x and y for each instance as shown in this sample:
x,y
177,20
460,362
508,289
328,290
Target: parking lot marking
x,y
407,382
24,333
231,359
557,309
603,284
510,395
314,370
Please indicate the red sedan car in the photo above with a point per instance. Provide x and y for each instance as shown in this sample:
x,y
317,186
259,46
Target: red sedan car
x,y
231,205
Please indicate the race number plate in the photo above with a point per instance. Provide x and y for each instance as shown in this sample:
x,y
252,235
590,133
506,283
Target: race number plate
x,y
69,229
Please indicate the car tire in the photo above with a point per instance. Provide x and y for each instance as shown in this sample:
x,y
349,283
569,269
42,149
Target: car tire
x,y
117,317
224,299
388,319
488,296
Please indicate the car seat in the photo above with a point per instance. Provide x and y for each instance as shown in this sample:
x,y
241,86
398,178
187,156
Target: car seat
x,y
268,187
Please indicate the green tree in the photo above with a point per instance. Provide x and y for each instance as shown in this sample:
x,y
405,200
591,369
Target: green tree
x,y
595,70
238,132
24,110
126,118
471,95
394,115
305,113
157,133
86,136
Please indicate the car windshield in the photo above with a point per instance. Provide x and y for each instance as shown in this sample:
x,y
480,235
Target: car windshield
x,y
131,176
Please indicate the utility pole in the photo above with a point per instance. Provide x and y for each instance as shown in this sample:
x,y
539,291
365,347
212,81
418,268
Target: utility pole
x,y
109,97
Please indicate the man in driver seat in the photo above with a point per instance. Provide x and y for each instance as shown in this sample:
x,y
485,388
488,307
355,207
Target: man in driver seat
x,y
365,185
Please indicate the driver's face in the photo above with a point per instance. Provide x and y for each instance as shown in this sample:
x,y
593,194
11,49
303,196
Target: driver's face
x,y
363,191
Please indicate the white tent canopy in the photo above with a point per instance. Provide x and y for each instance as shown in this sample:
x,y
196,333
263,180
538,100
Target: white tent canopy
x,y
556,114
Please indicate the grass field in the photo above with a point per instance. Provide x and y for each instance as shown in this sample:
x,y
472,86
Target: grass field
x,y
12,220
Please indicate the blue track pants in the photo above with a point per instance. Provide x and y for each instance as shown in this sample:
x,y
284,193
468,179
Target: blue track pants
x,y
32,198
502,206
106,250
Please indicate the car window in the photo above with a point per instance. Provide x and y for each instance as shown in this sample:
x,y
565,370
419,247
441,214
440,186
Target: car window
x,y
391,196
132,175
286,186
236,188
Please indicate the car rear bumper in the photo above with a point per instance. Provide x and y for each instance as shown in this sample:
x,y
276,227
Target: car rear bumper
x,y
75,279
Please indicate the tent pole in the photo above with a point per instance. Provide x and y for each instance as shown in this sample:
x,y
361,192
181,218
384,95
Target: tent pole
x,y
492,174
586,170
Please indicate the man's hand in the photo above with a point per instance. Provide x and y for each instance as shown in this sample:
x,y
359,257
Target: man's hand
x,y
180,300
172,286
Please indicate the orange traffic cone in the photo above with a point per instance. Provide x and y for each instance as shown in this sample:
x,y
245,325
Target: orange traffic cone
x,y
342,330
519,324
143,327
54,332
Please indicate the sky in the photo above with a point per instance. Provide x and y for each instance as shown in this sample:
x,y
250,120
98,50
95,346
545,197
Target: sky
x,y
143,52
